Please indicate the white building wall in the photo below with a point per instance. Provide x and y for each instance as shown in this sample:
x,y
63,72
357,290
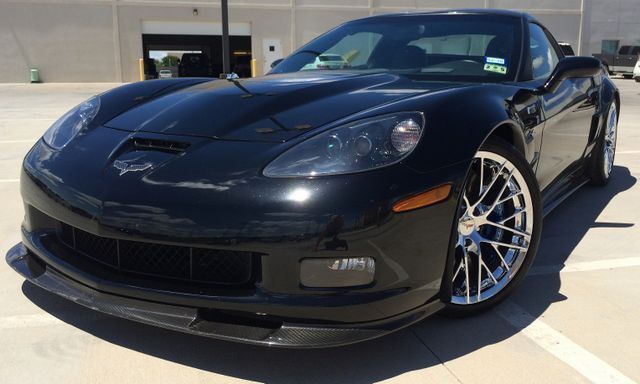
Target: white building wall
x,y
101,40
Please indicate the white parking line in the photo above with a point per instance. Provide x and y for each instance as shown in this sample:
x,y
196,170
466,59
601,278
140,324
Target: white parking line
x,y
560,346
585,266
9,180
626,152
18,141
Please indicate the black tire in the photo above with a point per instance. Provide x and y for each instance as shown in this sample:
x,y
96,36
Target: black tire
x,y
507,151
627,76
637,79
596,165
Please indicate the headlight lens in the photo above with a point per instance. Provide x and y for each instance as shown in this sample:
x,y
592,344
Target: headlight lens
x,y
359,146
71,123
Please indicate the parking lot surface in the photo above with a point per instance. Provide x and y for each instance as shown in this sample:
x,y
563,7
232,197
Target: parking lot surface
x,y
574,320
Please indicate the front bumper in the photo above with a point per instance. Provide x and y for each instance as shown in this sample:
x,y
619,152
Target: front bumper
x,y
228,213
190,320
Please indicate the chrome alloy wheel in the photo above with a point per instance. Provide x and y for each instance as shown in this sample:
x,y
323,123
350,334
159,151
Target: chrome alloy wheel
x,y
610,138
495,223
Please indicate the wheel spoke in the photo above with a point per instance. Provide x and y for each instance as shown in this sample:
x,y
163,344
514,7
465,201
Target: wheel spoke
x,y
517,232
495,247
457,271
481,177
494,204
466,273
501,244
510,197
479,289
483,265
491,183
518,212
466,200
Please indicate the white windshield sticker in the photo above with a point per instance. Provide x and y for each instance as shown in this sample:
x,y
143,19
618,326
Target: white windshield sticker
x,y
501,69
495,60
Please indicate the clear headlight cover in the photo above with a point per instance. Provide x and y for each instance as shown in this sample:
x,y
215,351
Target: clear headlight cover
x,y
71,123
358,146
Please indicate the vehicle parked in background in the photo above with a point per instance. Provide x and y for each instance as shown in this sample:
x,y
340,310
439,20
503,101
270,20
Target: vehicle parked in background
x,y
621,63
150,71
195,65
165,74
328,61
566,49
636,71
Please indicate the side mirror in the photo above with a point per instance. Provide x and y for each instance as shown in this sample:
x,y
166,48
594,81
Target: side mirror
x,y
570,67
273,65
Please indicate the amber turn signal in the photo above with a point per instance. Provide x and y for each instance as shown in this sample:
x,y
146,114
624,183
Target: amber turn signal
x,y
423,199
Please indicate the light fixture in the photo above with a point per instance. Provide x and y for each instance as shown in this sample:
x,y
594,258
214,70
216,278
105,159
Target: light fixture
x,y
337,272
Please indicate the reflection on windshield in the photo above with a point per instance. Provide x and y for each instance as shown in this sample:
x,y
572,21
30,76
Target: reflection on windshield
x,y
446,47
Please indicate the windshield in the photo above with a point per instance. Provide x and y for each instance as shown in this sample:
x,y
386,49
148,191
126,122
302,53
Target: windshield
x,y
482,48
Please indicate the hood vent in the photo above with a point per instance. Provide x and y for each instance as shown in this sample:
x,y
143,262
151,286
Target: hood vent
x,y
159,144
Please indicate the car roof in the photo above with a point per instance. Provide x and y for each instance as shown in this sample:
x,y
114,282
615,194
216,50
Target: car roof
x,y
460,11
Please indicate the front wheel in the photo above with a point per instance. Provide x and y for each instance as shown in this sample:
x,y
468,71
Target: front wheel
x,y
497,230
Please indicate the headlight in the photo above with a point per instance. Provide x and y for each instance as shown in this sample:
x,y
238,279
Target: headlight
x,y
359,146
72,123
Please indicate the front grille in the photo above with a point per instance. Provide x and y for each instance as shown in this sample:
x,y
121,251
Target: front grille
x,y
161,260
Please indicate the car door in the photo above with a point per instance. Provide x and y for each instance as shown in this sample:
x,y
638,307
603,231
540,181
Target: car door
x,y
568,112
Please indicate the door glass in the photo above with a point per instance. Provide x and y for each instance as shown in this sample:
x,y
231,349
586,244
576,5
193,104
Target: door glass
x,y
543,57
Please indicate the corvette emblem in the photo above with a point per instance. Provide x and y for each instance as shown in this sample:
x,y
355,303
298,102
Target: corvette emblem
x,y
124,166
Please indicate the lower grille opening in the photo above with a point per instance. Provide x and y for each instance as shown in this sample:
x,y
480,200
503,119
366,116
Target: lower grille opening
x,y
244,326
202,265
258,321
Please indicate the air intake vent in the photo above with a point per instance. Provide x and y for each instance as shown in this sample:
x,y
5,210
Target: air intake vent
x,y
222,267
159,144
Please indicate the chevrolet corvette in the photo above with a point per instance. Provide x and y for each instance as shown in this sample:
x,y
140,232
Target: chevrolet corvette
x,y
316,207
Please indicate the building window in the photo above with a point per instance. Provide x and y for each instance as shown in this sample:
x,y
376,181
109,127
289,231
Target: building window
x,y
610,46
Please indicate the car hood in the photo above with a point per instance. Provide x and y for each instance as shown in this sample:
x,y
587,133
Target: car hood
x,y
273,108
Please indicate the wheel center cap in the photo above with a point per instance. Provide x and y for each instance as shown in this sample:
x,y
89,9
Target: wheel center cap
x,y
466,225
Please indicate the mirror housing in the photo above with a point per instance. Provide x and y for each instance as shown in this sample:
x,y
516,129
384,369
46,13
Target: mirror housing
x,y
276,62
570,67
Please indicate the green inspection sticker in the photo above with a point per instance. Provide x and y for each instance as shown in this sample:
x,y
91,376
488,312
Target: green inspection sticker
x,y
501,69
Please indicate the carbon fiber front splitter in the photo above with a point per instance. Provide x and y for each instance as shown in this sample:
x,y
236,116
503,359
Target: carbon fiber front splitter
x,y
186,319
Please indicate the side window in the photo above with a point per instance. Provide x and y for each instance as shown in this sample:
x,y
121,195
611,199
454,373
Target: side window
x,y
543,56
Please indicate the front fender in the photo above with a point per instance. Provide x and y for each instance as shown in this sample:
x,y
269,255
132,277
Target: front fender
x,y
459,121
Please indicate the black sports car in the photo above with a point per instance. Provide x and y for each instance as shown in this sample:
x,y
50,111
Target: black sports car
x,y
317,207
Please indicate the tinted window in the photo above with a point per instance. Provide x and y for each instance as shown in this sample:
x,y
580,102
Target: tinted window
x,y
543,56
567,50
625,50
635,51
442,47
